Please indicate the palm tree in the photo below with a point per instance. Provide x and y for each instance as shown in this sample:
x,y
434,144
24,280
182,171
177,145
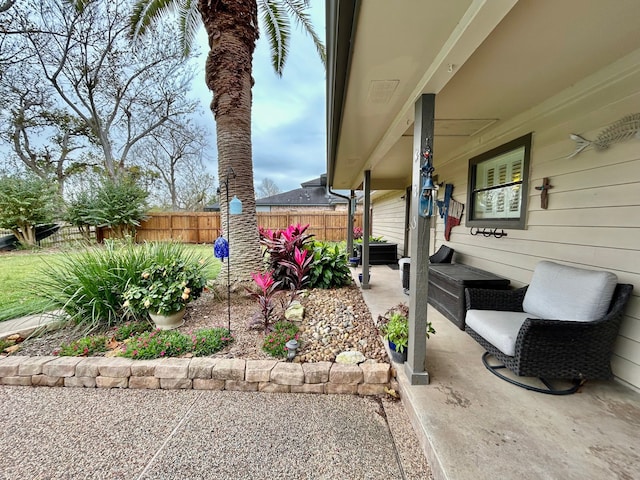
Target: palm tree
x,y
232,29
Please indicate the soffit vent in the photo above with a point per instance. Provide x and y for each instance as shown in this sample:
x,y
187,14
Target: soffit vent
x,y
381,91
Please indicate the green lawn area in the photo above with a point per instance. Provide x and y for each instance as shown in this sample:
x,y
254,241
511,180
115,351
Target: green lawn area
x,y
20,271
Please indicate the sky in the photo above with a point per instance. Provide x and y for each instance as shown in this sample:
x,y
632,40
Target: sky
x,y
288,114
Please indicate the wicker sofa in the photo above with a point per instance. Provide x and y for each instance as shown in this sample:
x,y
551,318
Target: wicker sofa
x,y
562,326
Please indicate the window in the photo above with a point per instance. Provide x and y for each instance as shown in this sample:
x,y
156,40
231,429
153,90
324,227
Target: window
x,y
498,186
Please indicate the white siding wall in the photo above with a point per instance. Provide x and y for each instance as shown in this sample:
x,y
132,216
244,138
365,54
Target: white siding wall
x,y
593,218
388,218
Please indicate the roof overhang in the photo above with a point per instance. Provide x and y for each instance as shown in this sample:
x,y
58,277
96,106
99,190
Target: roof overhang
x,y
487,61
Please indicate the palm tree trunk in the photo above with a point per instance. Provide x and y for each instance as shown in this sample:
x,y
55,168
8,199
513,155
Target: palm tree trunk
x,y
232,28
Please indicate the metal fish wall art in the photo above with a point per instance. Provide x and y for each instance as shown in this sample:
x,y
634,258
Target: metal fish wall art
x,y
624,129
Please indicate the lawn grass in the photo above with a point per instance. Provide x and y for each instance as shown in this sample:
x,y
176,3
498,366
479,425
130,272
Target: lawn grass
x,y
20,276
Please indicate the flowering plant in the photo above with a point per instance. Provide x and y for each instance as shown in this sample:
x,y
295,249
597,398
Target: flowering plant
x,y
166,287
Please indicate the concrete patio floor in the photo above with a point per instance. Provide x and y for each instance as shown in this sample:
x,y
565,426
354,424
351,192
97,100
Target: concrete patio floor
x,y
472,425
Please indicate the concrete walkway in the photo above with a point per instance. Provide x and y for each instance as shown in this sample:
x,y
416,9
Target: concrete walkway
x,y
170,434
474,426
25,326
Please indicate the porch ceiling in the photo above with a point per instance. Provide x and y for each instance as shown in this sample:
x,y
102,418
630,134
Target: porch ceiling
x,y
487,61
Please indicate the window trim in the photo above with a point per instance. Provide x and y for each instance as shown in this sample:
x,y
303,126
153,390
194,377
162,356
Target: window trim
x,y
499,222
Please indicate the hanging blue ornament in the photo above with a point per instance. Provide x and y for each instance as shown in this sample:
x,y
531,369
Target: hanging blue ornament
x,y
221,248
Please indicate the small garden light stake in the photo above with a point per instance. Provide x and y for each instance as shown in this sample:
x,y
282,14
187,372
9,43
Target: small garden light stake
x,y
292,346
221,246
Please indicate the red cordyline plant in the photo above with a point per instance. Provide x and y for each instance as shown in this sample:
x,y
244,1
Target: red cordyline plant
x,y
266,299
299,271
280,247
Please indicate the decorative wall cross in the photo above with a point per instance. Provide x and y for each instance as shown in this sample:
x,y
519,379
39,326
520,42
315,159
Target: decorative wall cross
x,y
544,195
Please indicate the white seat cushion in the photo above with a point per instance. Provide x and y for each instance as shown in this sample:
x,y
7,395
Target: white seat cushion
x,y
560,292
498,328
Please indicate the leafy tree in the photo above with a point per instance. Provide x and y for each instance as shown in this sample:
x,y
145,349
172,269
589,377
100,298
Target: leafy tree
x,y
268,188
95,82
26,202
232,29
172,157
119,205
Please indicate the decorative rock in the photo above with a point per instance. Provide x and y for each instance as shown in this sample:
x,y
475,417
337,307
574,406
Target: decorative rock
x,y
33,365
144,368
19,381
341,388
111,382
9,366
175,383
268,387
308,388
172,368
201,367
371,388
207,384
229,369
259,370
316,372
241,386
287,374
61,367
89,367
115,367
294,312
47,381
82,382
345,374
150,383
351,357
375,372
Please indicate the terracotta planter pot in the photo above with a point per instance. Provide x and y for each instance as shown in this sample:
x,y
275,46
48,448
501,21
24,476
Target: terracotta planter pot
x,y
168,322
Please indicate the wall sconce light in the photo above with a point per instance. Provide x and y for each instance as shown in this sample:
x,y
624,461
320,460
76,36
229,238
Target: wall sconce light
x,y
292,346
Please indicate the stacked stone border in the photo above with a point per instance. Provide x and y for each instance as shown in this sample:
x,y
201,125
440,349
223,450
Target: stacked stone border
x,y
198,373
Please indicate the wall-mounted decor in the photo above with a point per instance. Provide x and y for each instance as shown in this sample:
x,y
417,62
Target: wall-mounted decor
x,y
624,129
544,193
451,210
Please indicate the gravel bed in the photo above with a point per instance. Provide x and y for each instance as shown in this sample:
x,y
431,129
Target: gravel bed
x,y
335,320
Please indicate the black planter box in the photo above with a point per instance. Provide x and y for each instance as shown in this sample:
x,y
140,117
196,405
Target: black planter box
x,y
380,253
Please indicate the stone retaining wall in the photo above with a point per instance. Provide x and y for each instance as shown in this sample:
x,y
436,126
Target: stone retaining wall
x,y
200,373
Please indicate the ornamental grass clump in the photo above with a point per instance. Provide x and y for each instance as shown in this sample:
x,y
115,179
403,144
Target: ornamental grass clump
x,y
275,342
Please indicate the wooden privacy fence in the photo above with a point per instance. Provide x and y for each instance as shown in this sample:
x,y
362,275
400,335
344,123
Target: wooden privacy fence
x,y
204,227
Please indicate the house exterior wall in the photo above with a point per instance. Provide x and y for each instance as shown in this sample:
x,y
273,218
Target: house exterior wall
x,y
388,218
593,215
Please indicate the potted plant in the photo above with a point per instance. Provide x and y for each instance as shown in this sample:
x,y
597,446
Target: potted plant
x,y
396,333
394,326
163,290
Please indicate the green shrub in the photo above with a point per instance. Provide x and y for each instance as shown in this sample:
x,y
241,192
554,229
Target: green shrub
x,y
170,343
131,329
89,287
26,201
330,266
119,205
85,346
274,343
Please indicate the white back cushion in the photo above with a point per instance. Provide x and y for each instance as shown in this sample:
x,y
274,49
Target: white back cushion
x,y
560,292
